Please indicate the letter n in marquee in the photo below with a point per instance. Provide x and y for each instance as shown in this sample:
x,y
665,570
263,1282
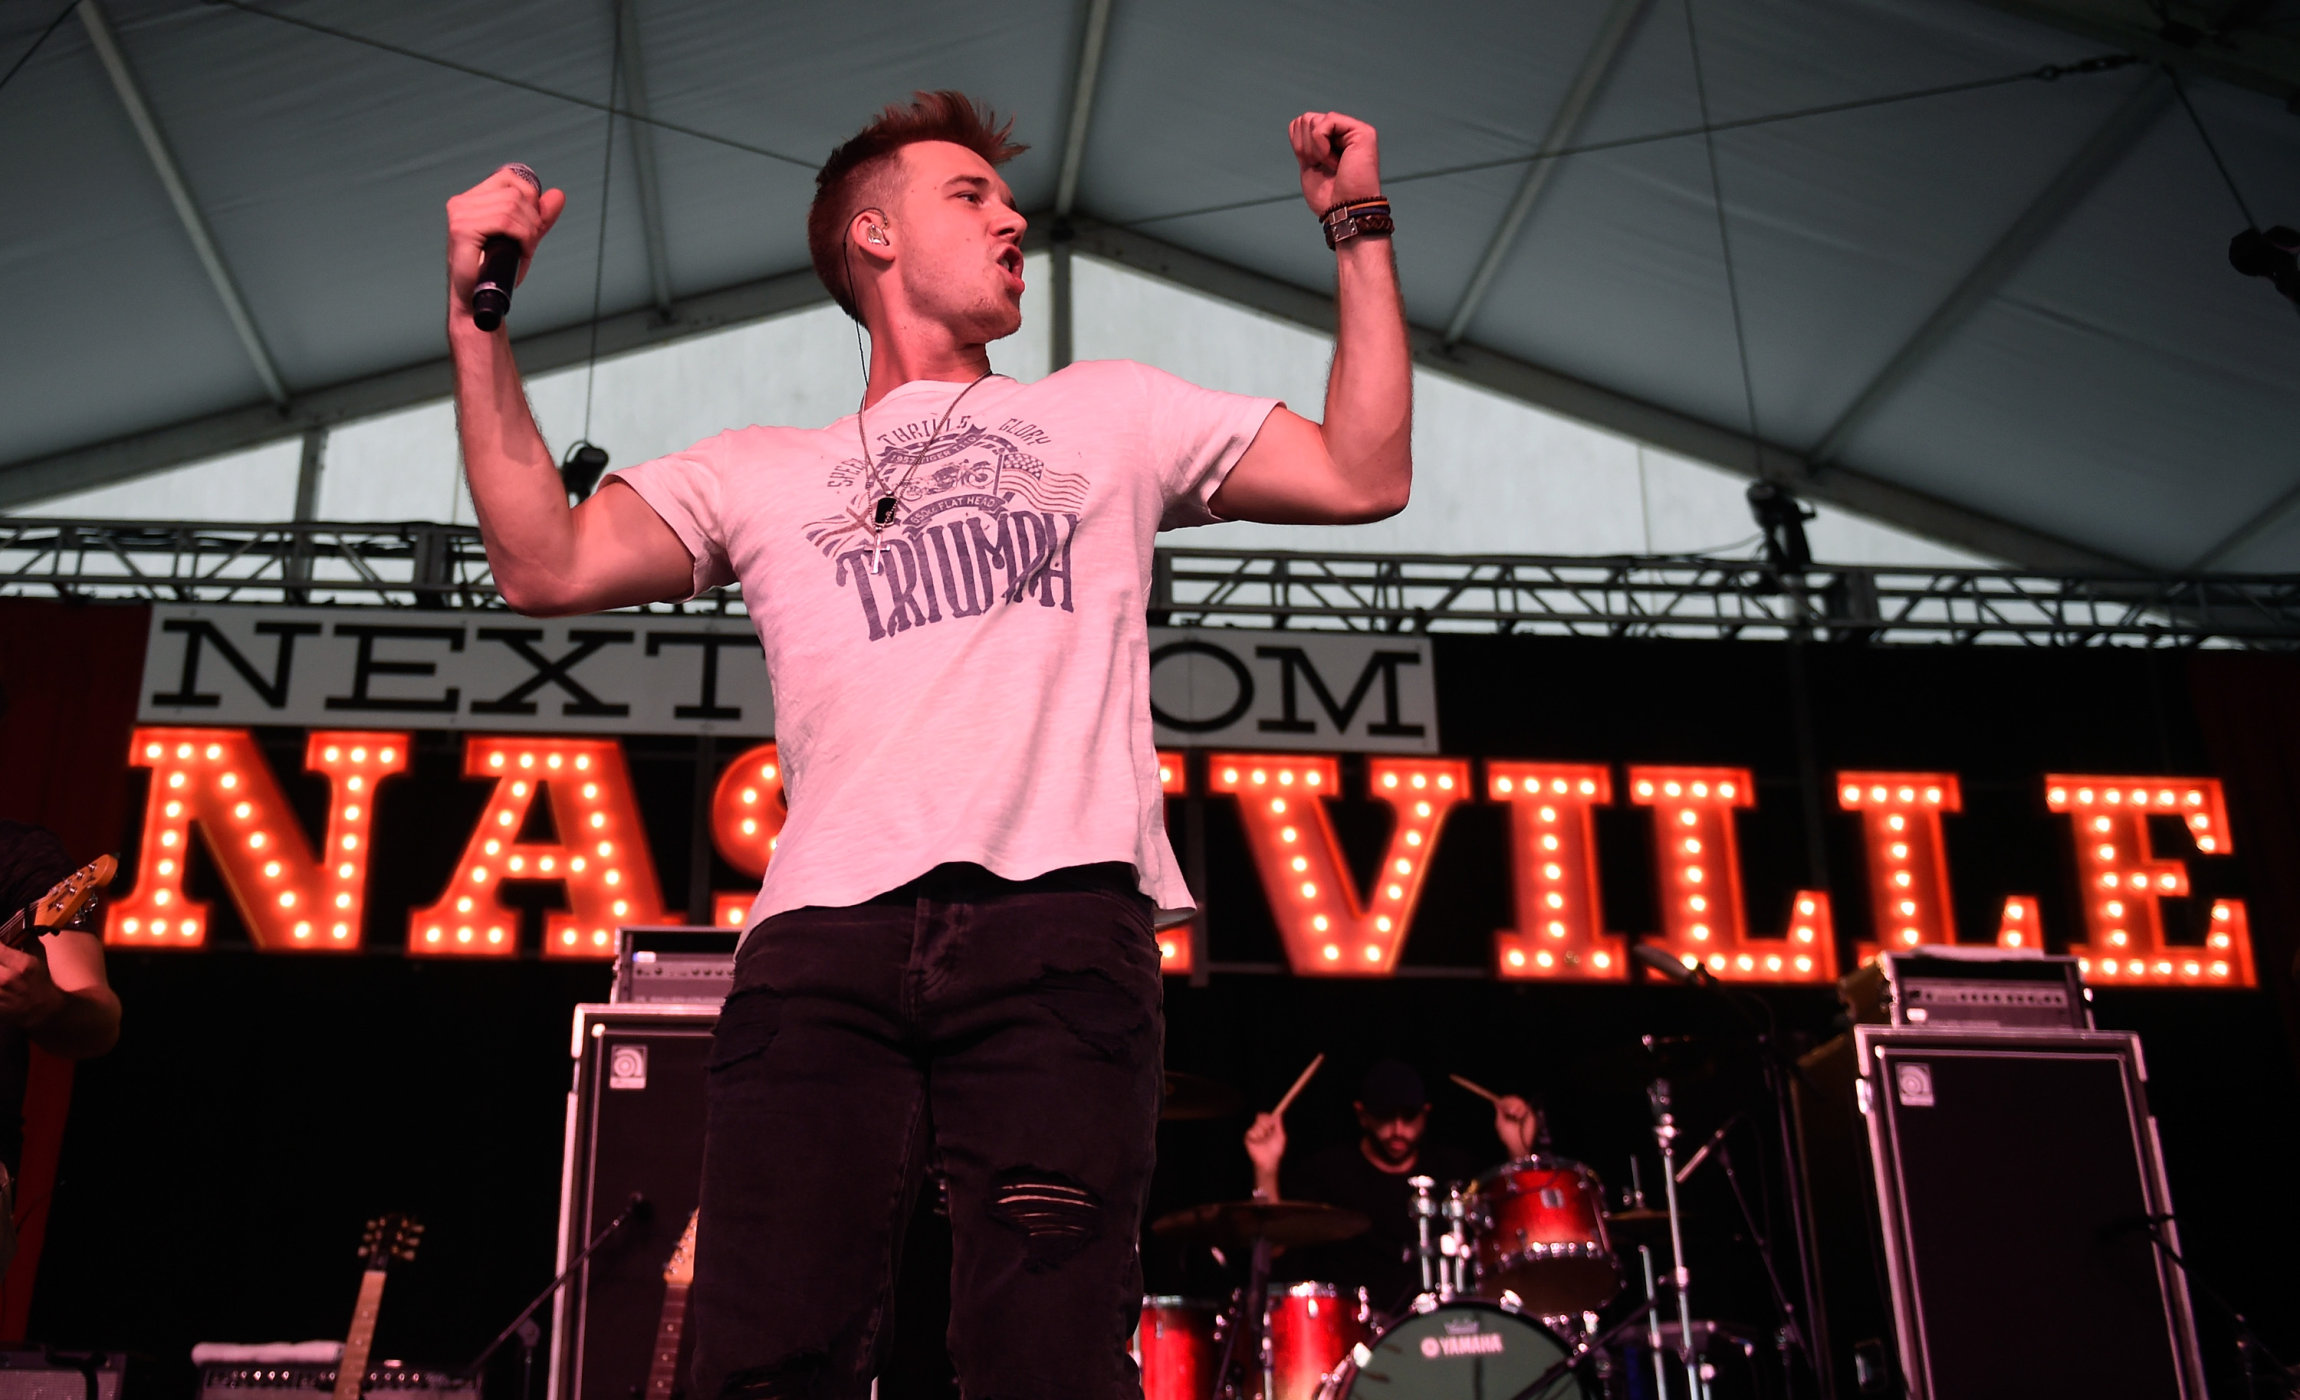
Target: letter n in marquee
x,y
1325,926
1699,860
600,855
290,898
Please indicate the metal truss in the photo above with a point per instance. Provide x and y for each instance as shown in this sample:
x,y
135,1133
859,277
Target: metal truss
x,y
418,565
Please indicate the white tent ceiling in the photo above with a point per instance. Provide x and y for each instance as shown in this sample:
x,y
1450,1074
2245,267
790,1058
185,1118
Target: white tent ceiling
x,y
2000,314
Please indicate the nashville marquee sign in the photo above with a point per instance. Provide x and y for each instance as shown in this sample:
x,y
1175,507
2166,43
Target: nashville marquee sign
x,y
1271,709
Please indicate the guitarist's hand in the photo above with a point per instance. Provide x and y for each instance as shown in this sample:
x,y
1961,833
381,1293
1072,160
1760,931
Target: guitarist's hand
x,y
28,995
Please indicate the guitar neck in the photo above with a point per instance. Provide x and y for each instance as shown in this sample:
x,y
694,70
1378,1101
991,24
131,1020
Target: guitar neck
x,y
16,933
351,1376
663,1374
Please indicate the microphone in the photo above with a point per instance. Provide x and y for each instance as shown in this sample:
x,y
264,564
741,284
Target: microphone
x,y
499,259
1660,960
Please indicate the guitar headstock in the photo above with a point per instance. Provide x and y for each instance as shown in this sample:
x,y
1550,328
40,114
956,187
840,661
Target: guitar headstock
x,y
63,904
681,1269
389,1239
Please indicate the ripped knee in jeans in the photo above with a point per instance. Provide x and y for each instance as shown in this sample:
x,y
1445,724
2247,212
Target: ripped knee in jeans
x,y
1057,1215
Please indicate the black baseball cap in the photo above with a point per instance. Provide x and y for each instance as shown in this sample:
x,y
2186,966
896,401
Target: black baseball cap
x,y
1392,1088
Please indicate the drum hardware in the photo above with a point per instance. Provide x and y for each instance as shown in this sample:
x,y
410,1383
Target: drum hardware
x,y
1454,1248
1257,1225
1665,1135
1424,1208
1540,1232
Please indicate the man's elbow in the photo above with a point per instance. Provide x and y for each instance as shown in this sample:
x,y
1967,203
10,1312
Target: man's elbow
x,y
537,597
1380,502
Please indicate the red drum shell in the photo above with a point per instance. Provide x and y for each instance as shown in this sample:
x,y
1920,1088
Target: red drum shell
x,y
1541,1235
1178,1347
1312,1327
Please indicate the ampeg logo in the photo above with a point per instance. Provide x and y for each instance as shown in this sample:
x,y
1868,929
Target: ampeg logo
x,y
1914,1083
1473,1344
627,1067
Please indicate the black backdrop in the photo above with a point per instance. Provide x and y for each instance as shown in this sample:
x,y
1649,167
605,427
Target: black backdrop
x,y
219,1163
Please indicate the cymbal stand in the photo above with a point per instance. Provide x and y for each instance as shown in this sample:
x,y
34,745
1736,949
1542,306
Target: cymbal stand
x,y
1453,1267
1653,1319
1242,1348
1424,1207
1665,1134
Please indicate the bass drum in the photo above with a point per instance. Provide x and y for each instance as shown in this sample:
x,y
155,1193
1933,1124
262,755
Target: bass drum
x,y
1463,1350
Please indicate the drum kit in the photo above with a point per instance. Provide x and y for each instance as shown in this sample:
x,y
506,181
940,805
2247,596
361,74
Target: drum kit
x,y
1516,1266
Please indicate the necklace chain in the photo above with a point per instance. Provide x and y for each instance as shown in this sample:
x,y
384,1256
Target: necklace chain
x,y
887,499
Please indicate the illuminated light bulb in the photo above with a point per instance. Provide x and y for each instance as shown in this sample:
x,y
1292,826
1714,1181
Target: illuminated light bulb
x,y
1554,900
1693,873
1772,962
1589,789
1333,952
271,870
1388,780
2112,796
2220,912
2017,912
1932,795
1557,928
2164,797
1908,908
1516,955
622,908
614,877
1165,775
750,827
2194,798
2012,940
554,761
2108,967
175,780
1900,850
1876,794
303,930
1697,903
1908,935
1445,782
388,755
582,762
2084,797
1908,794
1414,838
228,781
1901,878
1229,775
2114,908
2106,852
1551,872
1548,814
503,819
479,876
2164,969
183,750
1645,789
1549,843
1394,891
159,926
494,760
527,760
1289,835
1896,822
591,792
1557,785
568,937
1504,785
431,935
1804,933
256,842
1166,949
1716,962
1692,846
517,864
495,935
150,751
349,843
1278,806
1700,789
1804,963
1383,923
605,849
1745,962
176,809
2140,882
1320,923
1261,776
189,928
1421,809
463,904
1672,789
1602,960
167,867
598,819
735,918
358,755
287,899
2140,797
1300,864
1309,890
167,838
2190,968
1314,778
1543,958
2220,969
2167,882
1688,817
2108,882
1373,953
463,935
519,789
343,901
547,863
161,896
1421,780
2101,823
1701,932
340,931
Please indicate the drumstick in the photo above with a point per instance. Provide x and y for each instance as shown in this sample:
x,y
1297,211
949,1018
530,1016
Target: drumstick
x,y
1476,1088
1288,1101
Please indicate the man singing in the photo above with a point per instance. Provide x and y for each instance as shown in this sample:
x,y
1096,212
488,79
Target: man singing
x,y
951,961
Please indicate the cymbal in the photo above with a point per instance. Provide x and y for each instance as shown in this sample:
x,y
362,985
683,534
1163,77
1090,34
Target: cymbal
x,y
1641,1219
1195,1096
1237,1224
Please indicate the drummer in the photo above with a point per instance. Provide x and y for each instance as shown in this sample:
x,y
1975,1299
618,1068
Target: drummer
x,y
1369,1175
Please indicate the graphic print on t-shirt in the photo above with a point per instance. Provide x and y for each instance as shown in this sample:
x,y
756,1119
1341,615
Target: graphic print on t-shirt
x,y
979,522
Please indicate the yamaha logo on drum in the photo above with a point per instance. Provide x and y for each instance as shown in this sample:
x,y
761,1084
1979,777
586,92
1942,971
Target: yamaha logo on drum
x,y
1475,1343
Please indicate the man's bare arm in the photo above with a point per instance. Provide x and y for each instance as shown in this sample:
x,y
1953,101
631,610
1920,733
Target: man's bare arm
x,y
64,1002
548,560
1358,465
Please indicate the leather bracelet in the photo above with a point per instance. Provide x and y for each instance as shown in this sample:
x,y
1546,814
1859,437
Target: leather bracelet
x,y
1356,218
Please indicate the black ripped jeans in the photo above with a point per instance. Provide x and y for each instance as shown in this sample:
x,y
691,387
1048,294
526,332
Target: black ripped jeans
x,y
1007,1033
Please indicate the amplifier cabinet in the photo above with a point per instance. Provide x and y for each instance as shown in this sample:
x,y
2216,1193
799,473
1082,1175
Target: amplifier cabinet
x,y
2017,1176
28,1373
634,1123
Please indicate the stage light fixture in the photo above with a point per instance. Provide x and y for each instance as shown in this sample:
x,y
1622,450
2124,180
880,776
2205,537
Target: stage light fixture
x,y
580,471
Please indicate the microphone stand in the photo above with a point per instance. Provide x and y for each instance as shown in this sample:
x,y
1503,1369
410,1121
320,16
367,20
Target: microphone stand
x,y
523,1325
1539,1390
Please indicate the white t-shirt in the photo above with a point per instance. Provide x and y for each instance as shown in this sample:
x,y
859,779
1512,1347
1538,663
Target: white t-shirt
x,y
984,695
